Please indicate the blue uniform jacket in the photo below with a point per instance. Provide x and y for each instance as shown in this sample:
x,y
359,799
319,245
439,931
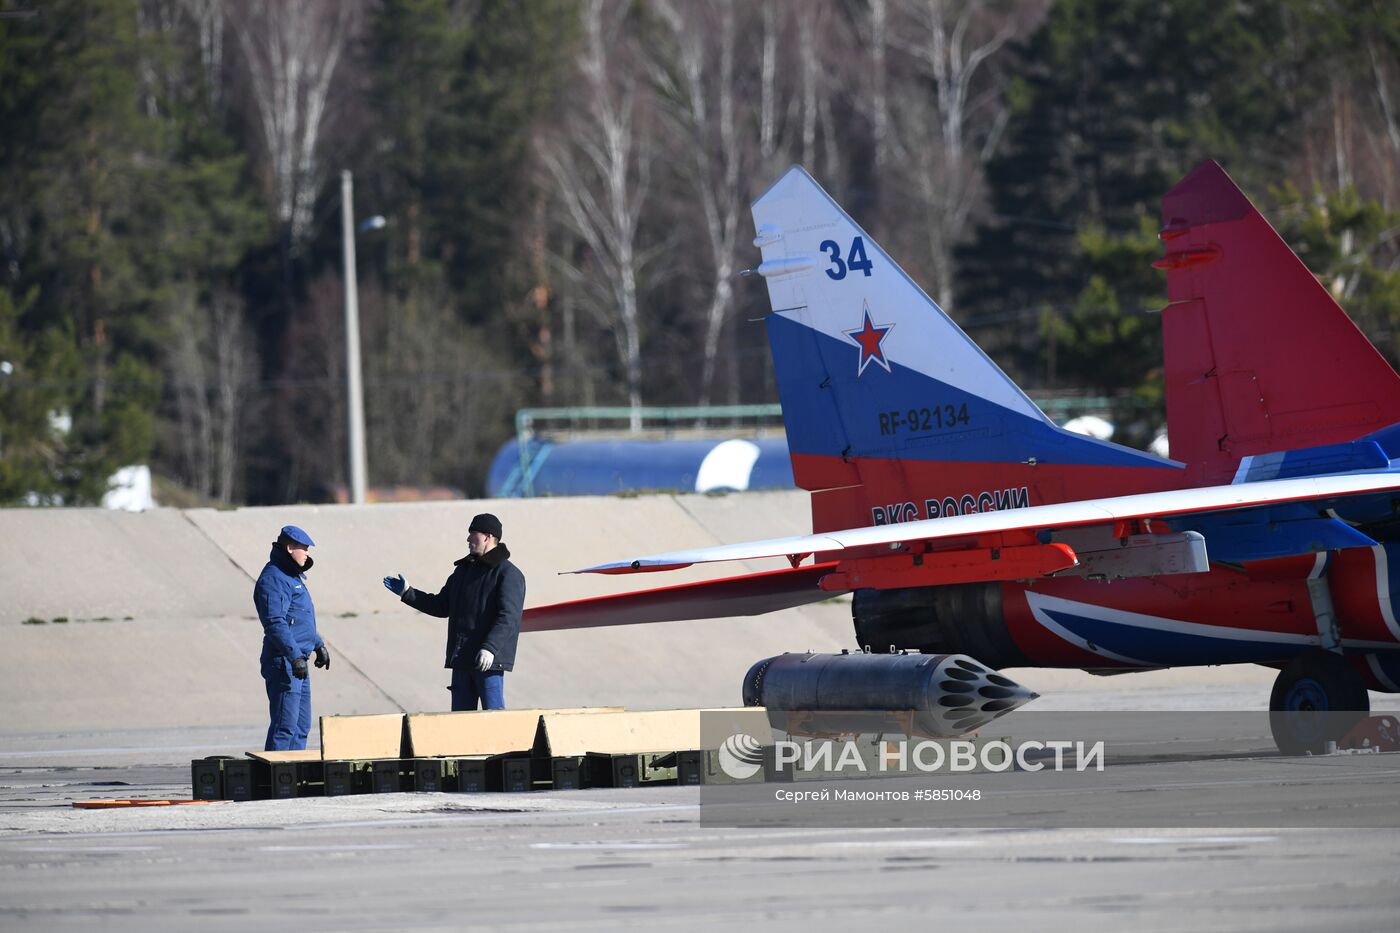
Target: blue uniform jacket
x,y
285,609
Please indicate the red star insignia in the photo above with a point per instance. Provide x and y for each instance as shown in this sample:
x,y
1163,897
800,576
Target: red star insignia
x,y
869,337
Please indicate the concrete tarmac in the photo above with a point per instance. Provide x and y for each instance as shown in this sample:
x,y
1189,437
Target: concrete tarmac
x,y
653,858
128,647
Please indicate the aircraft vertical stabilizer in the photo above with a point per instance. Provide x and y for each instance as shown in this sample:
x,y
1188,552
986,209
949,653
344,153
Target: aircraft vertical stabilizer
x,y
1259,357
892,413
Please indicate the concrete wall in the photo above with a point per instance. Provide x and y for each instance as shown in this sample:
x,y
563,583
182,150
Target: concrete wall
x,y
161,631
92,563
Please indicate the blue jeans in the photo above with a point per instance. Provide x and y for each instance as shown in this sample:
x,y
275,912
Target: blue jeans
x,y
288,705
470,686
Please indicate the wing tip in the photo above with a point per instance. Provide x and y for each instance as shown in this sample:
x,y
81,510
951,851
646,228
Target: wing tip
x,y
635,566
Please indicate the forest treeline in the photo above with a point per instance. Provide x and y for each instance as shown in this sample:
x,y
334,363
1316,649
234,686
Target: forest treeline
x,y
565,187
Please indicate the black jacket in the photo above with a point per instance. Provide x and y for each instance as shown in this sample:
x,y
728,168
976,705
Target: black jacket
x,y
481,602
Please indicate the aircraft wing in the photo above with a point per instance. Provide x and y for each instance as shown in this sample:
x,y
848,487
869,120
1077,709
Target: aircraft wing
x,y
1208,505
747,595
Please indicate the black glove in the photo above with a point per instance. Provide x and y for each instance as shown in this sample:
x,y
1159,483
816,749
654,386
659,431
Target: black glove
x,y
299,668
323,657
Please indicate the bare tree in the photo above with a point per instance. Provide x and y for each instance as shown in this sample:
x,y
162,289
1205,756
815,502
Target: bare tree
x,y
768,83
879,96
807,56
700,88
601,167
808,60
213,365
208,18
942,153
794,79
312,456
435,391
1382,69
291,49
1348,133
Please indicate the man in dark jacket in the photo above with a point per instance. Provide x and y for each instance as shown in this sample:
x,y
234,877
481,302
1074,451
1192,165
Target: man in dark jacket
x,y
289,638
481,602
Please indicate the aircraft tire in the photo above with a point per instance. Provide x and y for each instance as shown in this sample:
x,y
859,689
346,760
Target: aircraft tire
x,y
1317,698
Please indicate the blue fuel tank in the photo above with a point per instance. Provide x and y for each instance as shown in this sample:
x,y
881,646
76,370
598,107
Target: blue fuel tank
x,y
606,467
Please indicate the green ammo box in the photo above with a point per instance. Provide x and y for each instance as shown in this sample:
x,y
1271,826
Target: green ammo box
x,y
566,773
702,767
430,774
278,780
386,776
470,774
515,775
339,778
238,779
605,770
207,779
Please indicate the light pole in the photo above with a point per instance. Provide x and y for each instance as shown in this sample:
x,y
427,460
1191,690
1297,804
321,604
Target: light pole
x,y
7,369
354,390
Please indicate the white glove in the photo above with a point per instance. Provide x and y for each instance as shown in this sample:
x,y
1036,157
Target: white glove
x,y
484,660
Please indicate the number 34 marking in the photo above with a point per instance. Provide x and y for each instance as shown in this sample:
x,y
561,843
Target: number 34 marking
x,y
855,260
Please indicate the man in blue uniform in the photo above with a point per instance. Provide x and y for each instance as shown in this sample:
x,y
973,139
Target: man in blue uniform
x,y
481,601
289,639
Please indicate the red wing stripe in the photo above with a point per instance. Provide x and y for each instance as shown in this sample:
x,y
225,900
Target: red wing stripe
x,y
750,594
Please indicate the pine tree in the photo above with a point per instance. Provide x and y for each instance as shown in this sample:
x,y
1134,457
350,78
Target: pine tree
x,y
480,184
83,192
1113,102
457,91
1349,244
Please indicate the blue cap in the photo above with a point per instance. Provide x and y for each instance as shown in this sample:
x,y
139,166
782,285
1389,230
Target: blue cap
x,y
296,534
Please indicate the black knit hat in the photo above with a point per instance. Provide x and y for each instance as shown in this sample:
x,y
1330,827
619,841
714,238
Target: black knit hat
x,y
487,524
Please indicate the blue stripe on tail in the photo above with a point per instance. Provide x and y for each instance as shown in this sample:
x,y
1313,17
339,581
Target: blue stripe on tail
x,y
831,407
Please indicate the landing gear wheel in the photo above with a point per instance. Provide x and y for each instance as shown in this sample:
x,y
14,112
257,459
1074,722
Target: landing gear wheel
x,y
1317,698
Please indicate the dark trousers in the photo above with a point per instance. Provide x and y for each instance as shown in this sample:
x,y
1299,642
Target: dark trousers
x,y
288,706
470,687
